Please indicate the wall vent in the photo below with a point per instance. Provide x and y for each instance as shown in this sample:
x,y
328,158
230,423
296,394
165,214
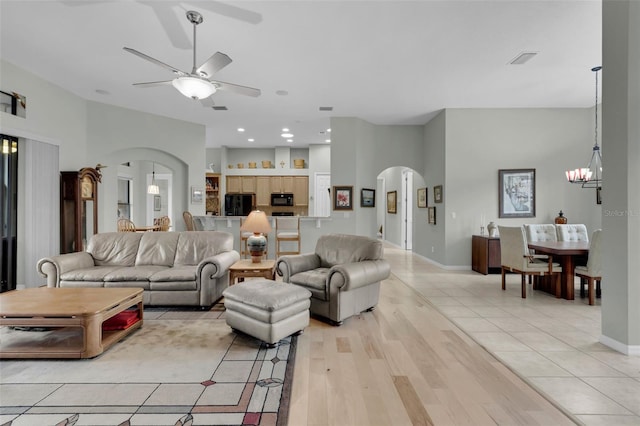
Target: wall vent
x,y
326,108
220,108
522,58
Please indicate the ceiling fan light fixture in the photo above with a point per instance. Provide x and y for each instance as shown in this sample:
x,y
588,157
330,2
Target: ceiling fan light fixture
x,y
194,87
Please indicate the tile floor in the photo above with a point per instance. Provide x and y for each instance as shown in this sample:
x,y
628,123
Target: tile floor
x,y
551,343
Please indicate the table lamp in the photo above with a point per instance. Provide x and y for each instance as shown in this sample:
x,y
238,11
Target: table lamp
x,y
257,223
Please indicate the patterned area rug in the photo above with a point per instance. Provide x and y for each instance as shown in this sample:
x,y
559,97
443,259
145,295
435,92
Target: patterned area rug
x,y
181,368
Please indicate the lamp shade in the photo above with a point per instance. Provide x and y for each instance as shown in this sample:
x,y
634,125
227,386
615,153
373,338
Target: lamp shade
x,y
257,223
153,189
194,87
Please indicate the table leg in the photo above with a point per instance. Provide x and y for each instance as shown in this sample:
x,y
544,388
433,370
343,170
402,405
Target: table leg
x,y
568,270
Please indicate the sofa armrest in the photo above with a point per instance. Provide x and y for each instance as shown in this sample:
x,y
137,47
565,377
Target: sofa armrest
x,y
291,264
350,276
218,265
53,267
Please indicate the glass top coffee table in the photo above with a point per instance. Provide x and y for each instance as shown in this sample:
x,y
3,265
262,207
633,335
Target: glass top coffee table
x,y
69,321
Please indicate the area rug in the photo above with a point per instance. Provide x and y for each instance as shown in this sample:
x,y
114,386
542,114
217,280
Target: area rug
x,y
180,368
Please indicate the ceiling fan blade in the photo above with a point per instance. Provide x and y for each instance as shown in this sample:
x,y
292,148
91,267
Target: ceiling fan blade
x,y
207,102
235,88
153,83
229,11
215,63
155,61
170,23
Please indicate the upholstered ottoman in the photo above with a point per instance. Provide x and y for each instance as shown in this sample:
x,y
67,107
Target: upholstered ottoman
x,y
267,310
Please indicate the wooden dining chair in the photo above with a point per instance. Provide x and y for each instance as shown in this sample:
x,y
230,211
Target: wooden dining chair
x,y
515,257
592,272
163,223
188,220
125,225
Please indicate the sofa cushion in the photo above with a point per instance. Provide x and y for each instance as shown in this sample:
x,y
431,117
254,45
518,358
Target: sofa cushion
x,y
194,246
97,273
157,248
133,273
114,248
337,249
314,280
173,285
177,273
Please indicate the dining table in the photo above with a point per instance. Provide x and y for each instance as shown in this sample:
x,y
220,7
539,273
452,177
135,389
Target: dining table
x,y
565,253
147,228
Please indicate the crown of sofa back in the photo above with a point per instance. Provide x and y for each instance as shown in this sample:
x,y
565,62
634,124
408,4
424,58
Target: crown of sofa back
x,y
338,249
157,248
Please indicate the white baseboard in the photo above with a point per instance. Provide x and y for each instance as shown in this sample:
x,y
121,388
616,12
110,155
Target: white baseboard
x,y
633,350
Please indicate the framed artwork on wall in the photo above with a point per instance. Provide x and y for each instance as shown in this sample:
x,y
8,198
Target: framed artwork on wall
x,y
432,215
517,192
437,194
343,197
197,195
367,197
157,203
422,197
392,202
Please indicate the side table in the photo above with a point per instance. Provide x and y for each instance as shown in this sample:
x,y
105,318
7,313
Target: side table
x,y
245,268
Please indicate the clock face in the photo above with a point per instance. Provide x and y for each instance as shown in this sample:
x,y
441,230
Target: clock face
x,y
86,187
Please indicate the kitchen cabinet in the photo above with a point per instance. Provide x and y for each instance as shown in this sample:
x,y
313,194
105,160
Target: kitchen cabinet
x,y
241,184
281,184
263,191
300,191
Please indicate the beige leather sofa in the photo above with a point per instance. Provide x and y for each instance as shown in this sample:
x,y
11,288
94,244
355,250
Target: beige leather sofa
x,y
343,275
173,268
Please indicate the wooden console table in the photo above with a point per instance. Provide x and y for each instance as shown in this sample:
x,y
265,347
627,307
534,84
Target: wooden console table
x,y
485,254
74,315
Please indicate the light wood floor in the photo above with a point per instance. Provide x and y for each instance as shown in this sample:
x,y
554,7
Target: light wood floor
x,y
406,364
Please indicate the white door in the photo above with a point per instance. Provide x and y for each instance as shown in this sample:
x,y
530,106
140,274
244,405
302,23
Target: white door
x,y
322,197
407,209
160,205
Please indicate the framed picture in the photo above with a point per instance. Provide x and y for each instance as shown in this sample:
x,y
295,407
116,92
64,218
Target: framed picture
x,y
517,192
422,197
197,195
343,197
392,201
437,194
157,203
367,197
432,215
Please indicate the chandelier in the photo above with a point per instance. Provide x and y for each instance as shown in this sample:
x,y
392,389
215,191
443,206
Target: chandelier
x,y
153,188
590,176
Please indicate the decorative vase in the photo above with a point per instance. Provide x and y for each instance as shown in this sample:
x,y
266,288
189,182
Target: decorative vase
x,y
561,219
257,244
493,229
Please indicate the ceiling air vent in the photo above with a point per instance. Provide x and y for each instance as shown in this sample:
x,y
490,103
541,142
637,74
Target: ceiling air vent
x,y
522,58
220,108
326,108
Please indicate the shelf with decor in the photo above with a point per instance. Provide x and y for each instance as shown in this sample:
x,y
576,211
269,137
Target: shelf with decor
x,y
212,189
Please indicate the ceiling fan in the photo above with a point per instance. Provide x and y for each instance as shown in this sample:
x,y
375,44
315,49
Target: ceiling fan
x,y
198,83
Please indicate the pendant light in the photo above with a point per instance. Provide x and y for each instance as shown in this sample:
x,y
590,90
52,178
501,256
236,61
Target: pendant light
x,y
153,188
590,176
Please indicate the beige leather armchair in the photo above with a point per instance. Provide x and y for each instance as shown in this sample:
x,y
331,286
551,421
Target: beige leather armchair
x,y
343,275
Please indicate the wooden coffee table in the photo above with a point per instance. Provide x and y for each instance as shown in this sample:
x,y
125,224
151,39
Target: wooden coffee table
x,y
245,268
75,316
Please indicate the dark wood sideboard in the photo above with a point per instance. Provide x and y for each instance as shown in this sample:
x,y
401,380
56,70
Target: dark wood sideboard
x,y
485,254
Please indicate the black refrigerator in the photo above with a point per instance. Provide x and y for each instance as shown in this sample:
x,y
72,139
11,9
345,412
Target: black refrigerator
x,y
238,204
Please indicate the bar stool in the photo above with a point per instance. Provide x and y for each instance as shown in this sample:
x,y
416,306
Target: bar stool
x,y
287,230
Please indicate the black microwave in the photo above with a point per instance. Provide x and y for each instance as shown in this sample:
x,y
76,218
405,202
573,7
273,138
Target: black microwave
x,y
282,200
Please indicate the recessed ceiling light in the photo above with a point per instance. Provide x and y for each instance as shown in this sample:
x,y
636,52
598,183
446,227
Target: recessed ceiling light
x,y
284,129
251,139
289,140
327,140
329,130
287,135
240,129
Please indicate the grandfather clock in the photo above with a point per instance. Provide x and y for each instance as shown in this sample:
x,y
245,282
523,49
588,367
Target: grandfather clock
x,y
78,208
